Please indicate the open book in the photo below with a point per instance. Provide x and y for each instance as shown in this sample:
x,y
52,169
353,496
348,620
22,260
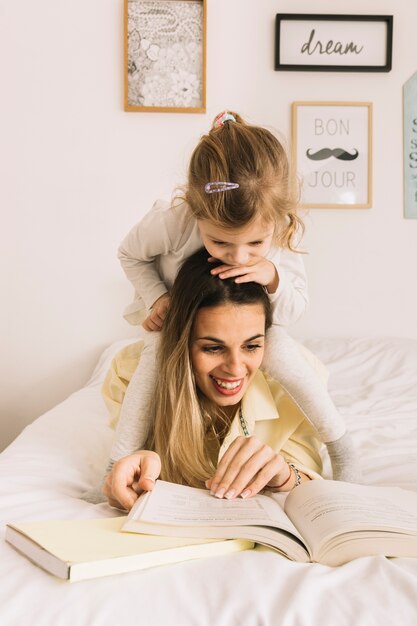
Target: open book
x,y
80,549
324,521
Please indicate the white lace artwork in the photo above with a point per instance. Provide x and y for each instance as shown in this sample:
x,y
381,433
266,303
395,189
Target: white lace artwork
x,y
165,53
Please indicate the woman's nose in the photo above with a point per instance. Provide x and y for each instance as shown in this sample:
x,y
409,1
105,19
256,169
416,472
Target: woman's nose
x,y
235,365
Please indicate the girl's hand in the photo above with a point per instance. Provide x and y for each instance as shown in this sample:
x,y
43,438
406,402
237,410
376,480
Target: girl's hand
x,y
248,466
259,271
130,476
155,319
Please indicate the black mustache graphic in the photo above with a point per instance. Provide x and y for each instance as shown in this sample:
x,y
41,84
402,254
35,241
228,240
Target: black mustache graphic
x,y
326,153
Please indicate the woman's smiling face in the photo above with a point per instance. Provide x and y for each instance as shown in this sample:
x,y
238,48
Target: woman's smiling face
x,y
227,347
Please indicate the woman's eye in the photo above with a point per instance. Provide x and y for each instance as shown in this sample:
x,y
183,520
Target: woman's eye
x,y
219,243
212,349
252,347
256,243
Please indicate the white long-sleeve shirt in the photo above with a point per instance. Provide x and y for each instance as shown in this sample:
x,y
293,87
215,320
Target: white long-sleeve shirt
x,y
153,251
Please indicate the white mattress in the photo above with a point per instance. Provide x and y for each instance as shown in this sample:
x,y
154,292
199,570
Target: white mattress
x,y
64,452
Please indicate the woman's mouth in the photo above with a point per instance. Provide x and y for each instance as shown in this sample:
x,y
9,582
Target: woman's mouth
x,y
227,387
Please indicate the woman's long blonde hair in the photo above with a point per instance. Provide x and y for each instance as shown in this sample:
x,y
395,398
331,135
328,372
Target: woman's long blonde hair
x,y
182,416
255,159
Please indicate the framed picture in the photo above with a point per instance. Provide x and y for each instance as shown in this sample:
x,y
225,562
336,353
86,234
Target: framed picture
x,y
333,43
332,153
165,55
410,147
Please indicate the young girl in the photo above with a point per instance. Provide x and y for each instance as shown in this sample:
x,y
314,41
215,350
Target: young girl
x,y
240,204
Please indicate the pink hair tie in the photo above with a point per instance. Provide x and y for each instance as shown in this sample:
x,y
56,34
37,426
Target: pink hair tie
x,y
219,185
223,117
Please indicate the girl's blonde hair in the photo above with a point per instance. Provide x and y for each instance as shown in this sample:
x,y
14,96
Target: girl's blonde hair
x,y
252,157
183,417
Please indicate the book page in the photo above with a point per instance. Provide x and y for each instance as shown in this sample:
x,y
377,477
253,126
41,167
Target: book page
x,y
178,505
325,509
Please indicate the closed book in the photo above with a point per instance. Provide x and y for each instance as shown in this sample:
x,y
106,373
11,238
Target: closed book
x,y
79,549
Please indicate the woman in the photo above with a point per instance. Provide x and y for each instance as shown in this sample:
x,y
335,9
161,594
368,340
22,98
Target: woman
x,y
217,420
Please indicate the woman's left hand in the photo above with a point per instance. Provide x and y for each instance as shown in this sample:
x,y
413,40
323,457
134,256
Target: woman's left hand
x,y
248,466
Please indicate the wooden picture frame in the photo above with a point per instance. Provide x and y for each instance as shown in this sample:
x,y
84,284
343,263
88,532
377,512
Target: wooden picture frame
x,y
332,153
333,43
165,56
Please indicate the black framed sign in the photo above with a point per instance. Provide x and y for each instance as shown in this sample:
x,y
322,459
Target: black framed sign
x,y
333,43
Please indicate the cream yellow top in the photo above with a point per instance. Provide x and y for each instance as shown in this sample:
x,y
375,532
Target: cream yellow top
x,y
273,418
270,414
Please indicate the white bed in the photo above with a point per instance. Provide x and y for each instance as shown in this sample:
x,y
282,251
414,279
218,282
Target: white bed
x,y
63,453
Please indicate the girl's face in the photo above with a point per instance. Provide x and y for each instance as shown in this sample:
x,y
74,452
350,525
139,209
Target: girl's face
x,y
237,246
227,346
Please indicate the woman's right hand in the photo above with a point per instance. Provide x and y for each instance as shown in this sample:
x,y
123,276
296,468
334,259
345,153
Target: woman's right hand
x,y
130,476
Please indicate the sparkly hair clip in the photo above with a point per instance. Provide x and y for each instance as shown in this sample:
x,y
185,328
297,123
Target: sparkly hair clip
x,y
218,186
223,117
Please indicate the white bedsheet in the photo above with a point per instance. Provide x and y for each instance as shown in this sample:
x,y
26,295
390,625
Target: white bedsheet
x,y
63,453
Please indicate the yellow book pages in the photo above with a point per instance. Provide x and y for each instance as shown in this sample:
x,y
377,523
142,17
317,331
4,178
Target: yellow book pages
x,y
78,549
90,540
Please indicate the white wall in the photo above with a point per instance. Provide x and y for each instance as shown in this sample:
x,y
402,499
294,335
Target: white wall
x,y
77,172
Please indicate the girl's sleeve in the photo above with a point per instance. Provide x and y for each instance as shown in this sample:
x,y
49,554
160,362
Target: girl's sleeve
x,y
139,250
290,301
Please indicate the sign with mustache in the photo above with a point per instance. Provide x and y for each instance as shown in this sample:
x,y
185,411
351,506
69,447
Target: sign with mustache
x,y
332,153
337,153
